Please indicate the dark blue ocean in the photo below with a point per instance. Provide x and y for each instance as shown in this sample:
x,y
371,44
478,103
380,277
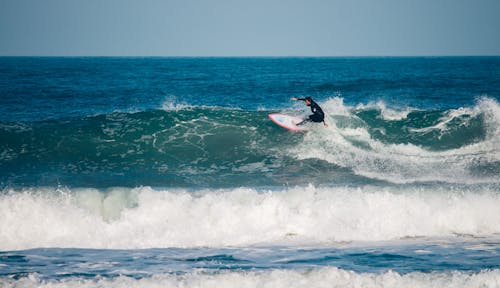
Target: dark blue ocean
x,y
167,172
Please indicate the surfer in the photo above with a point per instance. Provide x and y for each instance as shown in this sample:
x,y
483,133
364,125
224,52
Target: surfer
x,y
318,114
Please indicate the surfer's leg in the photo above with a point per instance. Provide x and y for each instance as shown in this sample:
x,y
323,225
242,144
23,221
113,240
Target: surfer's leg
x,y
316,118
303,122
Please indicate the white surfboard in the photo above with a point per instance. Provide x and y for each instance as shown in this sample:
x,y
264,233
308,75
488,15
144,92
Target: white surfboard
x,y
288,122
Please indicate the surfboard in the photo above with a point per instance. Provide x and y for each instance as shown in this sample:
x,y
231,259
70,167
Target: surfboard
x,y
287,122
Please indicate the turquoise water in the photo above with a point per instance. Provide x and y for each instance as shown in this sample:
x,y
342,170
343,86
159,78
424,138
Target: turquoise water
x,y
167,172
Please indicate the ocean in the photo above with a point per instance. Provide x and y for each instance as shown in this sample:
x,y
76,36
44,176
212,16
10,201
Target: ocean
x,y
167,172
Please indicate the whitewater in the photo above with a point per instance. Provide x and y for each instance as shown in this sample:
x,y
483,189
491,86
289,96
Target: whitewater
x,y
148,218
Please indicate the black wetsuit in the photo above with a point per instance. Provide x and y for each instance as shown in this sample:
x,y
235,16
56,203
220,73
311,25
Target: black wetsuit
x,y
318,114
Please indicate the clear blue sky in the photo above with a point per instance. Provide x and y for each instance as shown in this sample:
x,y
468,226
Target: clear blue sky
x,y
249,27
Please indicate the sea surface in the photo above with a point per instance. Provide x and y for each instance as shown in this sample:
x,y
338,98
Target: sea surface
x,y
167,172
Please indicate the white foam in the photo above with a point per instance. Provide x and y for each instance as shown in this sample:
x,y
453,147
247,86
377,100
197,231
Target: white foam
x,y
335,106
171,104
325,277
449,116
491,109
386,112
148,218
406,163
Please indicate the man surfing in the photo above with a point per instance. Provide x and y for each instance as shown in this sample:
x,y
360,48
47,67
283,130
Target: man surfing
x,y
318,114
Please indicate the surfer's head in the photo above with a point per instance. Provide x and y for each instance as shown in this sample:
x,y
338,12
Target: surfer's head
x,y
308,101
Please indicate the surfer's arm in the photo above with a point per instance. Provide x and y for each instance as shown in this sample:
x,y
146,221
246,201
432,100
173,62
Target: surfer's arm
x,y
297,99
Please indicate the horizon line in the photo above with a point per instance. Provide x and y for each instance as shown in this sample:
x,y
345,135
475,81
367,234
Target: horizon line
x,y
246,56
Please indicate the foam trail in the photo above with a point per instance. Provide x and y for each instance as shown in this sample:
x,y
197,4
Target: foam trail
x,y
148,218
325,277
447,119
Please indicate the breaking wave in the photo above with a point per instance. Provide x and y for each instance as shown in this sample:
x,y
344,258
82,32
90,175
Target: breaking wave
x,y
279,278
123,218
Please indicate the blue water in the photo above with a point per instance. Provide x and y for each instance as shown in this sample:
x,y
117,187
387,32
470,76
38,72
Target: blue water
x,y
167,172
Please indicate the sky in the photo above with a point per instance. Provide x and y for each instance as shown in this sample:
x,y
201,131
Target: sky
x,y
249,27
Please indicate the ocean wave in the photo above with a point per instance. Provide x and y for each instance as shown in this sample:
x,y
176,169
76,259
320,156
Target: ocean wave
x,y
325,277
123,218
184,145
